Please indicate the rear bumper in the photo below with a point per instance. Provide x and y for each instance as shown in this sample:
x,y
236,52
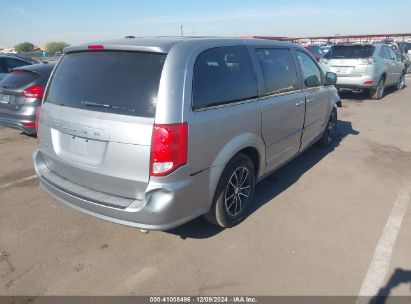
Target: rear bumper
x,y
18,119
360,82
164,206
18,123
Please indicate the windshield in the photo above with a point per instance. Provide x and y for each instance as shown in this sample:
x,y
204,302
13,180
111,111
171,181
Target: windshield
x,y
350,51
108,81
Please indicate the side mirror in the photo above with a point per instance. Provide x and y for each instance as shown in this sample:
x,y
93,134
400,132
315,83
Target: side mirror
x,y
330,78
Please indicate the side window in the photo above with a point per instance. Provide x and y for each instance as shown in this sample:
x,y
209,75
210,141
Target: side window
x,y
12,63
311,72
223,75
278,69
392,54
384,53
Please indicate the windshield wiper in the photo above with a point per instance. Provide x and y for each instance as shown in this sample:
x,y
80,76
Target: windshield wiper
x,y
104,105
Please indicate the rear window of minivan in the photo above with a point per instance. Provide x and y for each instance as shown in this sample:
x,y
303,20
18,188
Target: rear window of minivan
x,y
108,81
350,51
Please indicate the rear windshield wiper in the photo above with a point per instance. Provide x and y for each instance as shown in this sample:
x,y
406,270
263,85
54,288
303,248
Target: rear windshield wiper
x,y
103,105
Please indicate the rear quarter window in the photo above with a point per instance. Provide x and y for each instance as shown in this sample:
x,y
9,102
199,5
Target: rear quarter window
x,y
108,81
223,75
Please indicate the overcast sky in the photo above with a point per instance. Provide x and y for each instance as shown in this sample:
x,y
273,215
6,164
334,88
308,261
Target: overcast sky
x,y
76,21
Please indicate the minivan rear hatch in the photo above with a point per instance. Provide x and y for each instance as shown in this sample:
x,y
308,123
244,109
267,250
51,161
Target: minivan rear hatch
x,y
96,121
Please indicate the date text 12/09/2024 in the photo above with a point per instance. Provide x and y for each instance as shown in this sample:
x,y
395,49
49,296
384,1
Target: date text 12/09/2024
x,y
203,299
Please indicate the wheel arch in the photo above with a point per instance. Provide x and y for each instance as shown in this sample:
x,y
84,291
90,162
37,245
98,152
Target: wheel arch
x,y
249,144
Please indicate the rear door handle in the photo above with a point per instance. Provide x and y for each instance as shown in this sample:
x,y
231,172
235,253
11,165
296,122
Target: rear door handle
x,y
299,103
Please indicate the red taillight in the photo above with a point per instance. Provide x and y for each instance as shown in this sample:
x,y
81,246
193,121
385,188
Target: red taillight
x,y
36,124
168,148
29,124
95,47
36,91
368,82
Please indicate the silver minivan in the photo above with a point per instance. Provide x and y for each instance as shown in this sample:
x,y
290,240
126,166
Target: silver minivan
x,y
154,132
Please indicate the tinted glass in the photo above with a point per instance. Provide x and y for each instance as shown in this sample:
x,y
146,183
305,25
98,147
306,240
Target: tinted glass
x,y
315,49
384,53
278,70
12,63
311,72
392,54
2,70
350,51
115,82
223,75
18,79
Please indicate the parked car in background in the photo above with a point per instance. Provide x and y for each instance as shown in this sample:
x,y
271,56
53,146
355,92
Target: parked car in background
x,y
365,66
21,92
157,131
403,48
315,50
403,57
8,62
326,48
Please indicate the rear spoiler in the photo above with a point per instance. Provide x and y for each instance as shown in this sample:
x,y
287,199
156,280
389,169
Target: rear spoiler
x,y
100,47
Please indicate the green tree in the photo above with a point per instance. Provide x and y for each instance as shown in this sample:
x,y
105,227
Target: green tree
x,y
55,46
24,47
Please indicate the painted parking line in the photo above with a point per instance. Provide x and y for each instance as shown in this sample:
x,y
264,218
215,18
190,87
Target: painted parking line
x,y
18,181
380,263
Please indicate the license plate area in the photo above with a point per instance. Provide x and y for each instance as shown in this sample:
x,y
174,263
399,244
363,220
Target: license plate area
x,y
342,70
78,149
7,99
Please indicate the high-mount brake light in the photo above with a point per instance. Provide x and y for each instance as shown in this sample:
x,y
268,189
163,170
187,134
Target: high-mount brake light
x,y
95,47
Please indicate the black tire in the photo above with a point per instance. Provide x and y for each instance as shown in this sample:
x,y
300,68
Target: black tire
x,y
330,130
401,82
378,92
234,194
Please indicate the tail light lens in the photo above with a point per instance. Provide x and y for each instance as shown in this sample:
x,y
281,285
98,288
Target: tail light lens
x,y
36,123
29,124
367,61
36,91
168,148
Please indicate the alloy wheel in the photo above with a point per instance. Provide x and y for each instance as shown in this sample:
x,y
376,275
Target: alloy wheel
x,y
237,191
380,89
332,125
401,82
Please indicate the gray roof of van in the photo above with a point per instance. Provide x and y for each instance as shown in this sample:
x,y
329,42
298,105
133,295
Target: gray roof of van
x,y
164,44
